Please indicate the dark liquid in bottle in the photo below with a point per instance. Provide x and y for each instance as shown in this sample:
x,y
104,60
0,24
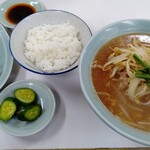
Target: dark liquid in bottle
x,y
18,12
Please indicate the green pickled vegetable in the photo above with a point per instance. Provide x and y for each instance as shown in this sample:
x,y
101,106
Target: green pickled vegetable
x,y
25,96
30,113
7,109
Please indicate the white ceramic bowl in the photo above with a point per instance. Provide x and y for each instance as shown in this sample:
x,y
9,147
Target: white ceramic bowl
x,y
9,3
45,97
6,60
98,40
45,17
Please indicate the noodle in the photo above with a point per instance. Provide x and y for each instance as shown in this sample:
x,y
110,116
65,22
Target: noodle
x,y
124,112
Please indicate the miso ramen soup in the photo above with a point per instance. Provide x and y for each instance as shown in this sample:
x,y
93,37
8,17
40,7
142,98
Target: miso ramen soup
x,y
121,78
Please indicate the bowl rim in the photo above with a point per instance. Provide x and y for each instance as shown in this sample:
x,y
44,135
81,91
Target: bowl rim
x,y
57,72
132,133
9,59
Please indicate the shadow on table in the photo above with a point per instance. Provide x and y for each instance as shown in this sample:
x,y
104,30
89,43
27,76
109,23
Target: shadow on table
x,y
14,74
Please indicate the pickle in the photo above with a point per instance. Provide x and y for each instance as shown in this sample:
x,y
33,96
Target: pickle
x,y
7,109
25,96
30,113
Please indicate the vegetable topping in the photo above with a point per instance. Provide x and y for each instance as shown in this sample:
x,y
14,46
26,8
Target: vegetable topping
x,y
132,64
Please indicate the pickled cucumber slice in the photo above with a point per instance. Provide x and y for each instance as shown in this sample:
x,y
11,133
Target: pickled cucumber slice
x,y
7,109
25,96
30,113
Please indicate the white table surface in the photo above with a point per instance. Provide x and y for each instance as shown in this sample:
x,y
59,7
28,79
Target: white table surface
x,y
74,124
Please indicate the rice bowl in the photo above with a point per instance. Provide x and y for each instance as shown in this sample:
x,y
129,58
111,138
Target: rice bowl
x,y
47,17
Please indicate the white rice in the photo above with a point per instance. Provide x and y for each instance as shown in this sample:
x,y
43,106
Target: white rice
x,y
52,47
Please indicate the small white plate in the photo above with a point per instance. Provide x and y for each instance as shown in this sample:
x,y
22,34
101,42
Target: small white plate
x,y
45,97
8,3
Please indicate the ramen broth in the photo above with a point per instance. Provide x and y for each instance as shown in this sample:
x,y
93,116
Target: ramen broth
x,y
108,89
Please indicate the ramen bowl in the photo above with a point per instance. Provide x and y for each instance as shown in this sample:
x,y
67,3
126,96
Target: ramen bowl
x,y
86,61
48,17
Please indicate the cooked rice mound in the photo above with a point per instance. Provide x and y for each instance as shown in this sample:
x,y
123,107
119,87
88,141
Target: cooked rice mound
x,y
52,47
